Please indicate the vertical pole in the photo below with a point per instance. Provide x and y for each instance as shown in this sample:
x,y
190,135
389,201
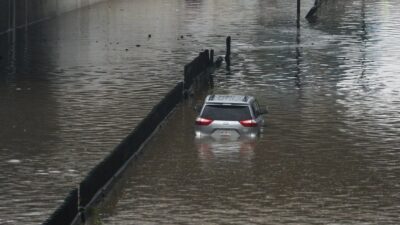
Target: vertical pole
x,y
298,13
228,51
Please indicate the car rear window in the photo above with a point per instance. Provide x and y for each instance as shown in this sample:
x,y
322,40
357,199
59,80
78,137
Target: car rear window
x,y
222,112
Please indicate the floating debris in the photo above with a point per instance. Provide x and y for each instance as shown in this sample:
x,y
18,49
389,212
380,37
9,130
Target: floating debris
x,y
14,161
138,46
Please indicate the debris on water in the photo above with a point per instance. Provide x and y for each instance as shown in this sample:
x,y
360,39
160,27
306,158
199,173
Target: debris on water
x,y
14,161
126,49
117,43
149,36
181,36
138,46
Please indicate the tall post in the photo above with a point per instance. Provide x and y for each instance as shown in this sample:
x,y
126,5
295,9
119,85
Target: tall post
x,y
228,51
298,13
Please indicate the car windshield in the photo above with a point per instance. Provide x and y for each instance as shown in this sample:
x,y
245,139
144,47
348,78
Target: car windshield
x,y
223,112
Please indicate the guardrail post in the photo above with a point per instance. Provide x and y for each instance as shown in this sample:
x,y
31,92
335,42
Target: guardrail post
x,y
228,51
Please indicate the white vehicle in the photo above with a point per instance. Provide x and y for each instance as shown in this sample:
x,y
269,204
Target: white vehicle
x,y
230,115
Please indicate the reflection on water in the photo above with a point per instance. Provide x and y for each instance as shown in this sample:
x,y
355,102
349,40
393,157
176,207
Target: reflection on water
x,y
211,149
329,154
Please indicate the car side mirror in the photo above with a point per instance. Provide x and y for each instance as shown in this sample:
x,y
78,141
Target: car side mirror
x,y
263,110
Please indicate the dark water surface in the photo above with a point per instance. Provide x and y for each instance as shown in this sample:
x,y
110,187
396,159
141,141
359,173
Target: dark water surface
x,y
71,88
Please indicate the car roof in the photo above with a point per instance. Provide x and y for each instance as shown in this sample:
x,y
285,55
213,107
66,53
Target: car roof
x,y
230,99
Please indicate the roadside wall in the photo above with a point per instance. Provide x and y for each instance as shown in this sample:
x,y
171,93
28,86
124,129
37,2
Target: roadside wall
x,y
20,13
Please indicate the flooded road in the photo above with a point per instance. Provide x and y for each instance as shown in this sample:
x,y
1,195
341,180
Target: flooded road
x,y
71,88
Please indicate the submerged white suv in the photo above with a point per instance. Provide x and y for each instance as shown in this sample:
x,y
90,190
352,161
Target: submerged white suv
x,y
230,115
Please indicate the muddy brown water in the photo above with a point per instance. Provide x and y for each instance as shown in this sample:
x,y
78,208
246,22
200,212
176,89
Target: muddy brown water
x,y
71,88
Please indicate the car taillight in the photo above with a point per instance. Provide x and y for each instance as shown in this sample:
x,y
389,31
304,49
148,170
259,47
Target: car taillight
x,y
248,123
203,121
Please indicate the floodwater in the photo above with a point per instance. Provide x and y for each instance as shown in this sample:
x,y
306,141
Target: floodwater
x,y
71,88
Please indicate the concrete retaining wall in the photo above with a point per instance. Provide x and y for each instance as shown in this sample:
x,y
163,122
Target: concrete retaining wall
x,y
20,13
